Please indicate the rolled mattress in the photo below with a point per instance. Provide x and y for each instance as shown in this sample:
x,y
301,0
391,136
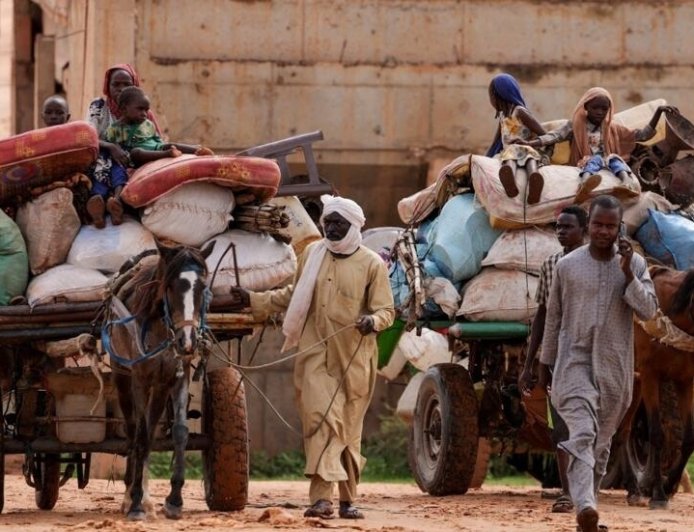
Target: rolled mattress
x,y
45,155
259,176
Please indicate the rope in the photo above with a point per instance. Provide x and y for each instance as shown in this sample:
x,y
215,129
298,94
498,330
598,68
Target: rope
x,y
227,360
244,377
662,329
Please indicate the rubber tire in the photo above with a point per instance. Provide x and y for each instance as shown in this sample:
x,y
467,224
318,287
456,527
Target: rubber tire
x,y
47,496
445,437
225,463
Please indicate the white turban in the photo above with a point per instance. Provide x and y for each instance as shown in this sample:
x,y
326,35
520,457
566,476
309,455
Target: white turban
x,y
295,317
347,208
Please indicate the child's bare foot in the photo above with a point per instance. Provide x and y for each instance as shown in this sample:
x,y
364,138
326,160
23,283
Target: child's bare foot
x,y
202,150
535,185
508,181
114,206
96,209
173,152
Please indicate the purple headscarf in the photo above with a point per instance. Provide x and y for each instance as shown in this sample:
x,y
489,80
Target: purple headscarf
x,y
506,89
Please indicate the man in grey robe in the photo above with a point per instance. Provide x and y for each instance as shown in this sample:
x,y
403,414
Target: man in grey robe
x,y
589,341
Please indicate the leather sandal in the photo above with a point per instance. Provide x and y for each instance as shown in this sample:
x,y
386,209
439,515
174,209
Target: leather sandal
x,y
322,509
347,511
563,505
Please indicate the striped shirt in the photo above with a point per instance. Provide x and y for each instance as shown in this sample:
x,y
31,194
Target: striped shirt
x,y
546,276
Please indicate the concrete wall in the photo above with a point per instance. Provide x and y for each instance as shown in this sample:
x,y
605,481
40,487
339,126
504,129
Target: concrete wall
x,y
6,68
389,82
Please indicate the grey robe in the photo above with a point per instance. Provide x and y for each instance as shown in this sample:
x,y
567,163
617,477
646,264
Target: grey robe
x,y
589,341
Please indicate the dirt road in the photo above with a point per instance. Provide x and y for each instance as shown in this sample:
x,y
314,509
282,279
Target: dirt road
x,y
389,507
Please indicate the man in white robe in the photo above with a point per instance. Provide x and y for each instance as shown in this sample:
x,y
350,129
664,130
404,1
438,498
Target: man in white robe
x,y
341,293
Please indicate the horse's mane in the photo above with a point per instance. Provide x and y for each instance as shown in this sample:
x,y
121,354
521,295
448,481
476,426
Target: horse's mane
x,y
150,283
683,297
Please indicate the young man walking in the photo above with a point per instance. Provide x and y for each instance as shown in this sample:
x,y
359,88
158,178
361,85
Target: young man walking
x,y
571,230
589,342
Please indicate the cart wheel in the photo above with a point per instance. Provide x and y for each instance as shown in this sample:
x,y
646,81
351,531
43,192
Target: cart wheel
x,y
225,462
47,477
444,432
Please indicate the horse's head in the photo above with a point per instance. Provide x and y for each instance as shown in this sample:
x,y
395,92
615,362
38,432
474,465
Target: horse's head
x,y
183,273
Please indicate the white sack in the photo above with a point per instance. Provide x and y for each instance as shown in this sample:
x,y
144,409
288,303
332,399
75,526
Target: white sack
x,y
417,206
426,350
66,283
379,238
636,215
108,248
263,262
301,228
561,185
49,224
523,249
395,365
191,214
444,294
500,295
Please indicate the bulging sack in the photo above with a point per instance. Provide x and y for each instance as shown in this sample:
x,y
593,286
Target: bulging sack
x,y
108,248
523,249
14,266
301,228
263,262
49,224
191,214
426,350
500,295
461,238
668,238
636,215
561,185
66,284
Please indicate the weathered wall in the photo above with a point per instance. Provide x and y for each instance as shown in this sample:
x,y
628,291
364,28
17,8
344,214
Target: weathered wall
x,y
6,68
388,81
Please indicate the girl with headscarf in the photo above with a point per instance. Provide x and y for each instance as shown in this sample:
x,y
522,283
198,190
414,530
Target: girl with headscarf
x,y
109,174
597,142
516,124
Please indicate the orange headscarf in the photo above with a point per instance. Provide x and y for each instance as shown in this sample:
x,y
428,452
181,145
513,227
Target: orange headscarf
x,y
616,138
112,104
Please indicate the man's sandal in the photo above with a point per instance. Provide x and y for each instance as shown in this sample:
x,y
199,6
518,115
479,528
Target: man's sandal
x,y
587,520
563,505
347,511
321,508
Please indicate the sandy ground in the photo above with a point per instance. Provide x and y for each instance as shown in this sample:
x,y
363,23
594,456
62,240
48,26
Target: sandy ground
x,y
388,507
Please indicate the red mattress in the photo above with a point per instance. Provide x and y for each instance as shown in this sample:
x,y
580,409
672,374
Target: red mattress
x,y
261,177
41,156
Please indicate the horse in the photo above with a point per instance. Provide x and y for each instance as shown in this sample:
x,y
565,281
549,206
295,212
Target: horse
x,y
166,300
658,361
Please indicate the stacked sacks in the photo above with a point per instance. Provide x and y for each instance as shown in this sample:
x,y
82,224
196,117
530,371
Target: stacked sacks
x,y
505,289
181,204
450,249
